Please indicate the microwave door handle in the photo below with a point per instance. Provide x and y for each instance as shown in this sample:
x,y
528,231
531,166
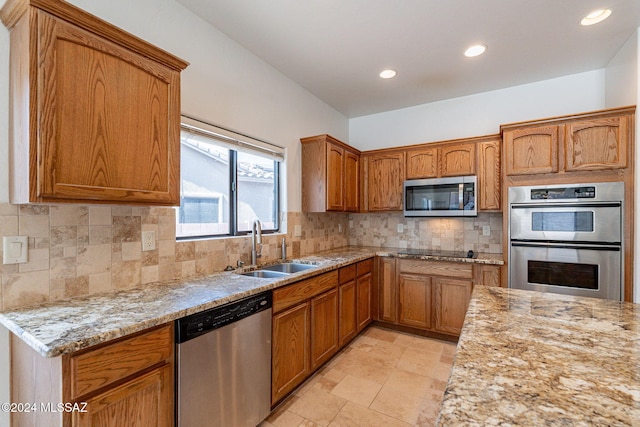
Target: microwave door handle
x,y
461,196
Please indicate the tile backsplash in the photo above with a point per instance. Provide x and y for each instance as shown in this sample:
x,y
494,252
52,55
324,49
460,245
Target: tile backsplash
x,y
452,234
77,250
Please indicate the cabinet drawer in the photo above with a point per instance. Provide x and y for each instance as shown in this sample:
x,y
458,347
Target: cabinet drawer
x,y
303,290
347,274
106,364
365,267
437,268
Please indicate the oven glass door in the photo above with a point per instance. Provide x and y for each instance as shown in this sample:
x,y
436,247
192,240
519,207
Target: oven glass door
x,y
579,223
581,270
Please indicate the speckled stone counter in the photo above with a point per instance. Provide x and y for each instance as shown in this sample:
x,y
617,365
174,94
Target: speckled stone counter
x,y
71,325
530,359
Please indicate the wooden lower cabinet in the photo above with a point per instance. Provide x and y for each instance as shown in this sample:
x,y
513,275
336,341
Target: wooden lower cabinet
x,y
324,327
387,290
141,402
347,304
290,362
431,296
451,302
414,297
364,287
125,382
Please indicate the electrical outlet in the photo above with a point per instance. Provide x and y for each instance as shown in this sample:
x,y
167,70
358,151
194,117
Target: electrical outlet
x,y
297,230
339,228
486,230
400,228
148,240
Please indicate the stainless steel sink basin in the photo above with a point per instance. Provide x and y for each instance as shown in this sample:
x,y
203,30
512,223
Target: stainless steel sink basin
x,y
288,267
265,274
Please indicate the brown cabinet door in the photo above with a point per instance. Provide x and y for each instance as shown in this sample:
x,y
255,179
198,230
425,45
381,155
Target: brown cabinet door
x,y
422,163
108,121
458,159
290,355
387,290
335,183
415,300
364,292
351,181
531,150
385,179
347,322
324,327
488,275
596,144
451,302
146,401
489,181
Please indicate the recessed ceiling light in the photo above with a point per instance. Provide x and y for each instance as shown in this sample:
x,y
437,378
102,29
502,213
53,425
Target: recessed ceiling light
x,y
595,17
388,74
475,50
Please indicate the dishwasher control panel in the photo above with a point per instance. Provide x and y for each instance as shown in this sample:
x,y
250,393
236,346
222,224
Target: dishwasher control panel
x,y
197,324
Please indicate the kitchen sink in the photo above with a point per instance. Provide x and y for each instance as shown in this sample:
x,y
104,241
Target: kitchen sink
x,y
288,267
265,274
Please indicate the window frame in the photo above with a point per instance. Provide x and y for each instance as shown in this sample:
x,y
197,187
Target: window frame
x,y
233,196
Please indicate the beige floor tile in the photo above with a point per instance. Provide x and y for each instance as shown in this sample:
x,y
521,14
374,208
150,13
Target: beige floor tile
x,y
366,365
399,405
318,406
409,382
354,415
429,410
407,373
357,390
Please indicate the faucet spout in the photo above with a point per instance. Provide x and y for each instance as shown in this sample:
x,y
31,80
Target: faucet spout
x,y
256,241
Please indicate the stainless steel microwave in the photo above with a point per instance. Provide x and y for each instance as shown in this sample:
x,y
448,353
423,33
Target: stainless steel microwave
x,y
455,196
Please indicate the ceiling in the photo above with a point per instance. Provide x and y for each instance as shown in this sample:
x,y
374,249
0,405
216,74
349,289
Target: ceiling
x,y
336,48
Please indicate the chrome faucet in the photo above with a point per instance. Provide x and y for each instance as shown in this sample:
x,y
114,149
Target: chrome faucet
x,y
256,241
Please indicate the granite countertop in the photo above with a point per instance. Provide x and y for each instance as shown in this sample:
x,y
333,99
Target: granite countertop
x,y
528,358
67,326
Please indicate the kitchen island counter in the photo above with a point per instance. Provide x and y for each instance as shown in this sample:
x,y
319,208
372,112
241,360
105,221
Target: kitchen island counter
x,y
529,358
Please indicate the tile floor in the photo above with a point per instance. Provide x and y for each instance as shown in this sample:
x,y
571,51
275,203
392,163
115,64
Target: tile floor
x,y
382,378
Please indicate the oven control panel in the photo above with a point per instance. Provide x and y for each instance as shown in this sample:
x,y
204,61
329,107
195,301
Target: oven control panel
x,y
586,192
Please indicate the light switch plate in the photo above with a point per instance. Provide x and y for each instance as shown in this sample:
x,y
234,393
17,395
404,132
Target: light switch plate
x,y
400,227
297,231
486,230
14,249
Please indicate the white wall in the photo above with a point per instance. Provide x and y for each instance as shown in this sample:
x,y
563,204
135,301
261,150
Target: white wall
x,y
623,88
479,114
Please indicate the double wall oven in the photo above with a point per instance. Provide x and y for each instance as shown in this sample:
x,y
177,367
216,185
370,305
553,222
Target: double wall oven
x,y
567,239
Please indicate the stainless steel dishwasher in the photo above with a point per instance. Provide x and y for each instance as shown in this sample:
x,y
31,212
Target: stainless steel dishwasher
x,y
223,365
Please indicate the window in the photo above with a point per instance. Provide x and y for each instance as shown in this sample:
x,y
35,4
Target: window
x,y
226,183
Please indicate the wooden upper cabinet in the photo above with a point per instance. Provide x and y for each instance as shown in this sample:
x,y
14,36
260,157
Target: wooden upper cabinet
x,y
385,178
596,144
422,163
458,159
335,178
95,110
330,175
489,178
531,150
595,141
351,182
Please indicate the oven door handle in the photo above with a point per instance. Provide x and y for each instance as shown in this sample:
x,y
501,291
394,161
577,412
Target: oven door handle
x,y
561,245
